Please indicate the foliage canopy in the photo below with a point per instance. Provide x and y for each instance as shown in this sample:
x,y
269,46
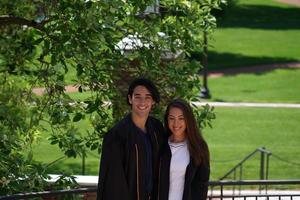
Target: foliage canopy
x,y
42,42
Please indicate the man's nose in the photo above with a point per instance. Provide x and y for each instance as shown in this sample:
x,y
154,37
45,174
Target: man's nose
x,y
142,100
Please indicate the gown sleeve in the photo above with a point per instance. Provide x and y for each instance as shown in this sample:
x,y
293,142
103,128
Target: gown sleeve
x,y
200,183
112,184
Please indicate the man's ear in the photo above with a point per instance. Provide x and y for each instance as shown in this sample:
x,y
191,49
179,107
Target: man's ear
x,y
129,99
153,104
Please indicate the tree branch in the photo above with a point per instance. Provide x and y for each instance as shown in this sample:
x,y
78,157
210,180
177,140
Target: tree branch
x,y
6,20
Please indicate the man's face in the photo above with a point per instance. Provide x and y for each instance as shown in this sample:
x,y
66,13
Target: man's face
x,y
141,101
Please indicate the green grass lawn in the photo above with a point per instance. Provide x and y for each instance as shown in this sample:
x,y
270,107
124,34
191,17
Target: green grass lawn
x,y
80,95
46,153
239,131
236,133
255,32
238,47
252,33
273,86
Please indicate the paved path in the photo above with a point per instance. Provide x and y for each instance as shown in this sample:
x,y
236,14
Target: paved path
x,y
245,104
68,89
292,2
214,74
253,69
218,73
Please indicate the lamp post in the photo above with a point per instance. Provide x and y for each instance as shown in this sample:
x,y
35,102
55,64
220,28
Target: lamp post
x,y
153,8
204,92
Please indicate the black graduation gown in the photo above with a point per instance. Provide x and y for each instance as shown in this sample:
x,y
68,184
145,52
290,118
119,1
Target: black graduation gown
x,y
196,178
123,161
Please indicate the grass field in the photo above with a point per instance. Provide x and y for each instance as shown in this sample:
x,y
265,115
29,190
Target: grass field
x,y
273,86
46,153
239,131
251,33
236,133
255,32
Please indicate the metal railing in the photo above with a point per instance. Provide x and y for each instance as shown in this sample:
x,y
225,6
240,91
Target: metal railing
x,y
264,165
254,193
79,193
221,193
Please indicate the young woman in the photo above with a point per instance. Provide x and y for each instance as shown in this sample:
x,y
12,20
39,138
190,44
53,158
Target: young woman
x,y
184,164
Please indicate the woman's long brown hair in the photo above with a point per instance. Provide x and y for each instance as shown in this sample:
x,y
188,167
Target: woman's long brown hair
x,y
196,144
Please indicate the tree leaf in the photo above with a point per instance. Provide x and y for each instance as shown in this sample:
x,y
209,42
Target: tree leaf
x,y
77,117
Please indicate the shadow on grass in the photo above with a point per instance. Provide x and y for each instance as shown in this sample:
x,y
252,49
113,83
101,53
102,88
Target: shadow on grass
x,y
224,61
217,99
62,167
74,166
260,17
258,70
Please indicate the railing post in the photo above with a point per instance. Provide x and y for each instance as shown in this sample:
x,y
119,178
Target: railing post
x,y
221,191
234,178
262,164
262,167
267,169
240,178
268,164
83,162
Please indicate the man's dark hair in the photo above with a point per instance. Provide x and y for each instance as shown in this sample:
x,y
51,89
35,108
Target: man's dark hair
x,y
147,84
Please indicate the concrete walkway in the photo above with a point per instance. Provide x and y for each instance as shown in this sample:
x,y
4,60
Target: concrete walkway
x,y
245,104
211,74
291,2
219,73
252,69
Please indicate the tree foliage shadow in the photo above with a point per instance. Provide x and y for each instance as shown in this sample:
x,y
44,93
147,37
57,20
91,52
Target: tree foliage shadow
x,y
64,168
230,60
222,61
259,17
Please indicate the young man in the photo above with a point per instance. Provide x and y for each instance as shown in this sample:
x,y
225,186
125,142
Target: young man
x,y
130,151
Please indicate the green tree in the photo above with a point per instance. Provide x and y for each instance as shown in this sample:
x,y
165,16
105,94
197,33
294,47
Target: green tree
x,y
41,42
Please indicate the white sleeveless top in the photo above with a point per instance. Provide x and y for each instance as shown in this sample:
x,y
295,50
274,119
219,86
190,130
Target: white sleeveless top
x,y
179,161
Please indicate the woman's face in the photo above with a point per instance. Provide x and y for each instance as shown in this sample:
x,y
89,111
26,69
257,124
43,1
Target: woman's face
x,y
177,123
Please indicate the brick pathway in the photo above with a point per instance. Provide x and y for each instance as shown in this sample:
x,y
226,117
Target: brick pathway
x,y
212,74
247,104
253,69
292,2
